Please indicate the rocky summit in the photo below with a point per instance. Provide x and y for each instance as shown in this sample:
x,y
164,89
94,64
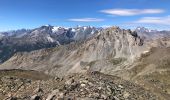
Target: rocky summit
x,y
86,63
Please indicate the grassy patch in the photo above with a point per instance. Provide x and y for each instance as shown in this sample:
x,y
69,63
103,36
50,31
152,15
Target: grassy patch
x,y
33,75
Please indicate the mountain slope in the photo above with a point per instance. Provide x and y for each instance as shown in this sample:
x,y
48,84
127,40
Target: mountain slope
x,y
151,71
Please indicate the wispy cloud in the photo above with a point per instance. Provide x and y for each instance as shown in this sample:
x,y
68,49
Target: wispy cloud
x,y
106,26
86,20
154,20
131,12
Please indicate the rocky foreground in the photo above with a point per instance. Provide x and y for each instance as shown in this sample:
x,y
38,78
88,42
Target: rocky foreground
x,y
24,85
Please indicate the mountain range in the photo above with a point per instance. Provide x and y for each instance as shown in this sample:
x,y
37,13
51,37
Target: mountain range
x,y
42,37
151,34
91,56
51,36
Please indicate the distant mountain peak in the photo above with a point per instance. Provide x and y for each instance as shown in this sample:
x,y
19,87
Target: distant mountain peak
x,y
145,30
142,29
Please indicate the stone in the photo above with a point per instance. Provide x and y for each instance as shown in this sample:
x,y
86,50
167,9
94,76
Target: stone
x,y
84,81
35,97
52,95
104,96
120,86
99,88
116,98
90,83
96,95
60,95
57,78
38,90
12,98
83,85
126,95
109,90
72,86
69,82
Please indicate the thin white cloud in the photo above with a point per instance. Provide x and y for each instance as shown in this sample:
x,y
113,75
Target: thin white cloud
x,y
86,20
131,12
154,20
106,26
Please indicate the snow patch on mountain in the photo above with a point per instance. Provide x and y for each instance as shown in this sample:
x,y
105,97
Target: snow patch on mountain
x,y
73,30
50,39
84,28
142,29
1,36
55,29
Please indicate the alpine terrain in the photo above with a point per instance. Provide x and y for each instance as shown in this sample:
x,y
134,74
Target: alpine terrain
x,y
84,63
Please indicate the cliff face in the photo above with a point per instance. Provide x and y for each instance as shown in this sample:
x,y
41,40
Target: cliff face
x,y
107,51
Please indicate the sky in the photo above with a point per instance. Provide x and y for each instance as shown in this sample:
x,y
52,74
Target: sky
x,y
18,14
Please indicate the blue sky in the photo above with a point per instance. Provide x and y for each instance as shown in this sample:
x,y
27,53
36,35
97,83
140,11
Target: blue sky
x,y
17,14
